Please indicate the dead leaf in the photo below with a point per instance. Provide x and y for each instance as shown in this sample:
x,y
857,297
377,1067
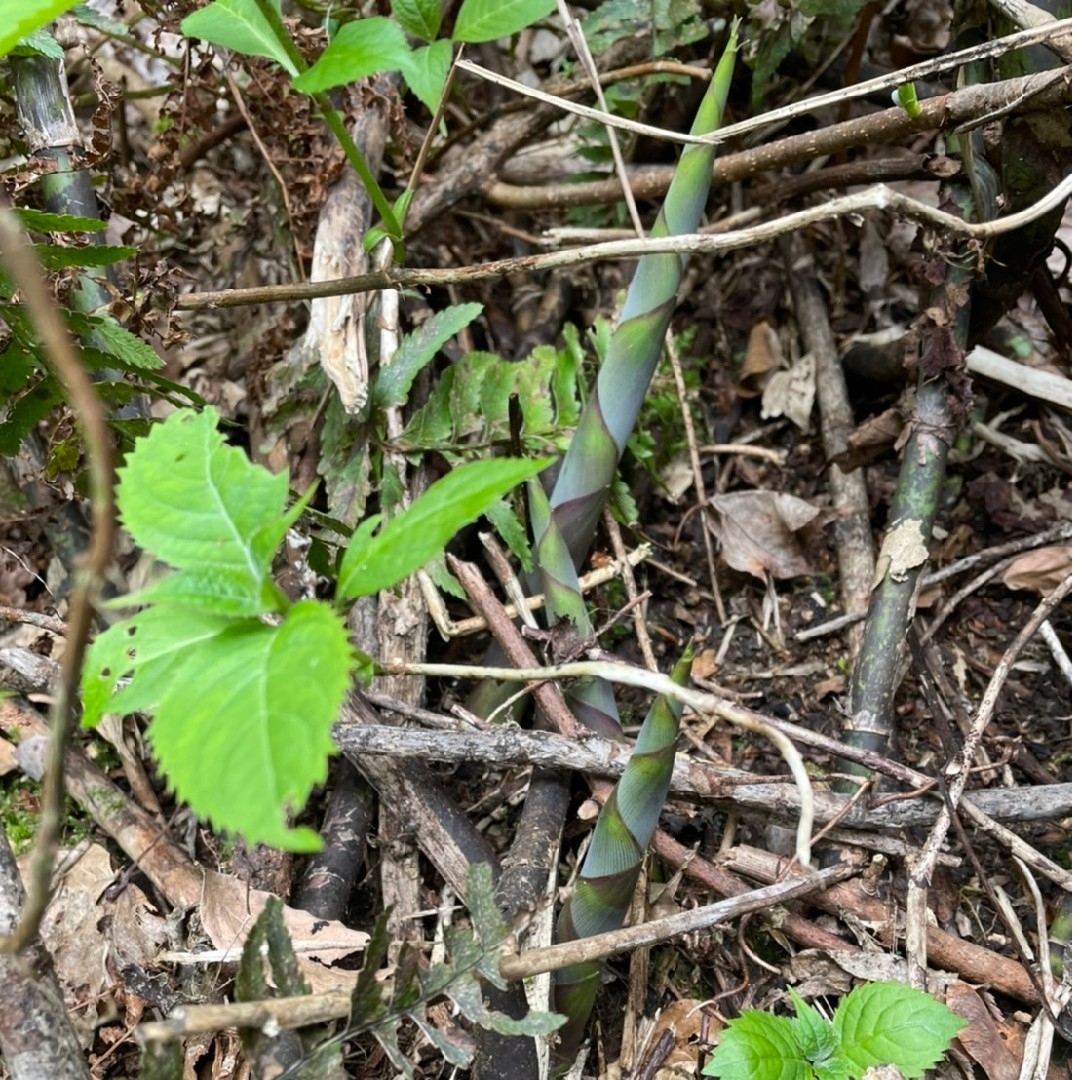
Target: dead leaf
x,y
764,355
873,257
995,1045
871,439
229,909
1041,570
70,931
790,392
759,532
901,551
703,666
684,1019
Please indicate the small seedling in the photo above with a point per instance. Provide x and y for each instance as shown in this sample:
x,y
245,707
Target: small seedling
x,y
876,1024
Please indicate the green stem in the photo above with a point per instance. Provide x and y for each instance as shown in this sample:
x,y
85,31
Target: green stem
x,y
337,127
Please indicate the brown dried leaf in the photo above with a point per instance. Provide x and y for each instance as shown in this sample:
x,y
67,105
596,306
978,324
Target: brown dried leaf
x,y
871,439
790,392
995,1045
229,909
759,532
764,355
1041,570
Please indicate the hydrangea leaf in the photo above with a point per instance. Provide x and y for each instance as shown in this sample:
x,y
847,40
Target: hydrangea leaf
x,y
889,1023
198,504
760,1046
255,737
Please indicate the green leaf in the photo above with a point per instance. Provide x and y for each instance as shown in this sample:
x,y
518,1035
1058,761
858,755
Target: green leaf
x,y
122,346
41,221
149,647
20,18
426,71
359,48
55,257
394,380
240,26
39,43
421,18
200,505
424,529
816,1035
488,20
889,1023
22,417
242,724
759,1046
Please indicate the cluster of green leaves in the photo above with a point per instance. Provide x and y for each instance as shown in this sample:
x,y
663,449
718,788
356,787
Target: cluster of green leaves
x,y
242,684
28,389
368,46
876,1024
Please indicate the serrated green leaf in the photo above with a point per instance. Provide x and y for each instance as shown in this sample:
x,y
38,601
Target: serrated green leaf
x,y
55,257
759,1046
421,18
426,71
201,505
501,514
240,26
488,20
889,1023
424,529
255,736
20,18
97,20
42,221
815,1034
39,43
149,647
121,346
393,381
359,49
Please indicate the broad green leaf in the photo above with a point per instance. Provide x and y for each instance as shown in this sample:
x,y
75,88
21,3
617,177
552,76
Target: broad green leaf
x,y
426,527
243,728
42,221
426,71
198,504
421,18
417,349
488,20
889,1023
55,257
359,49
149,648
759,1046
240,26
20,18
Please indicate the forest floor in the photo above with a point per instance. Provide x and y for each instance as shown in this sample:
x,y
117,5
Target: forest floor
x,y
220,182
